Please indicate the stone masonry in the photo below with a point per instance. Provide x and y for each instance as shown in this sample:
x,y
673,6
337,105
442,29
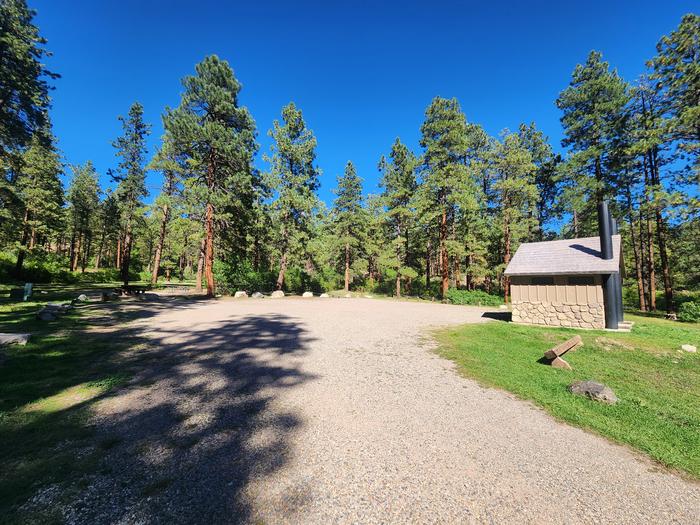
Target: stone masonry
x,y
570,315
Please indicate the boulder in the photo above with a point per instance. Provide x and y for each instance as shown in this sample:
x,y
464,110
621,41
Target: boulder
x,y
240,294
348,295
257,295
277,293
14,339
594,391
307,294
82,298
689,348
368,297
324,295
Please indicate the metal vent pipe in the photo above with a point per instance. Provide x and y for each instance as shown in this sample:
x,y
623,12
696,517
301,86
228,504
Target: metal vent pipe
x,y
610,294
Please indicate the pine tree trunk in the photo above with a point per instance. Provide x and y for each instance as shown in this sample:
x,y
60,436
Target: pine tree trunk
x,y
651,265
665,267
636,251
427,264
118,255
159,246
209,249
126,254
347,267
76,254
100,249
86,255
444,263
72,252
23,243
283,269
200,266
506,260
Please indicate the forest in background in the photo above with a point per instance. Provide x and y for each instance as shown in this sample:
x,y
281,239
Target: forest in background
x,y
445,220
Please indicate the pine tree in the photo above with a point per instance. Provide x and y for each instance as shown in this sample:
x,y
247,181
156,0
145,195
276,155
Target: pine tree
x,y
443,137
83,196
516,191
592,104
24,80
294,179
676,73
348,218
108,227
399,183
172,169
546,162
217,137
40,192
131,178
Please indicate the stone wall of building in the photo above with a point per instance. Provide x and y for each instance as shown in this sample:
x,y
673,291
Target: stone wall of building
x,y
589,315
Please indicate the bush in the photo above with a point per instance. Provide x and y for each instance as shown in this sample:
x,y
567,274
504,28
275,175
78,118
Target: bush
x,y
689,312
230,278
473,297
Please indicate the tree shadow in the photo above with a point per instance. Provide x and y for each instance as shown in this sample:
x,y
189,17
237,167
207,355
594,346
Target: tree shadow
x,y
188,436
498,316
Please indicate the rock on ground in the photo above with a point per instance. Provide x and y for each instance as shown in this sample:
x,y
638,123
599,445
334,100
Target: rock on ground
x,y
277,293
689,348
240,294
14,339
307,294
82,298
257,295
593,390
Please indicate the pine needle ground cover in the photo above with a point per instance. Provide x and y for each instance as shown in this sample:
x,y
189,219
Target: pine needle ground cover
x,y
657,383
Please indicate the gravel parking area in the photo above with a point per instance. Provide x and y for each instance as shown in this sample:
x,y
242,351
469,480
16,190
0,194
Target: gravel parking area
x,y
336,411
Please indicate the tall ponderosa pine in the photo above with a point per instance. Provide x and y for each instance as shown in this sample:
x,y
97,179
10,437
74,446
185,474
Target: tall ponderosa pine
x,y
83,197
348,217
217,137
131,178
592,105
676,72
24,80
444,139
294,179
546,162
516,192
399,183
40,193
172,169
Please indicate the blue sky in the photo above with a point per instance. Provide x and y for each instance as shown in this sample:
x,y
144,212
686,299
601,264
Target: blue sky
x,y
362,72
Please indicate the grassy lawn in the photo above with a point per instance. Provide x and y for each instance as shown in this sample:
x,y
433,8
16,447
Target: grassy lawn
x,y
46,390
657,383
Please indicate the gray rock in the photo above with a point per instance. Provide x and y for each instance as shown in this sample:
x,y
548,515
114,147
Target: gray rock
x,y
689,348
595,391
14,339
307,294
348,295
240,294
324,295
82,298
277,293
257,295
110,296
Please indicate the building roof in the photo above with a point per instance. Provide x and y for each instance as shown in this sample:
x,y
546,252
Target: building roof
x,y
564,257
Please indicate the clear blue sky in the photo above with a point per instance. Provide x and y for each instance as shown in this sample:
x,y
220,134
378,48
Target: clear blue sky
x,y
362,72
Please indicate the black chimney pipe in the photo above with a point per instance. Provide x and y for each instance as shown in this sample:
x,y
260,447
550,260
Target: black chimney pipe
x,y
618,277
610,294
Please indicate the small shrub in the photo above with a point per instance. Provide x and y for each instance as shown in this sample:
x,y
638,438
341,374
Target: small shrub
x,y
689,312
473,297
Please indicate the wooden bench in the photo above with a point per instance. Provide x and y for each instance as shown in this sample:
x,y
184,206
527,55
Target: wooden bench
x,y
554,354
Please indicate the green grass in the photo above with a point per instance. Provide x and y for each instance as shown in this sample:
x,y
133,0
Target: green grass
x,y
657,383
46,390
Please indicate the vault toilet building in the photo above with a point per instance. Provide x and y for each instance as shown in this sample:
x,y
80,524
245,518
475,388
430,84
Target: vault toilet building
x,y
571,282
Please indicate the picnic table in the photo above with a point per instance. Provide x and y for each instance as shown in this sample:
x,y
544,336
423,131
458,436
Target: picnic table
x,y
132,289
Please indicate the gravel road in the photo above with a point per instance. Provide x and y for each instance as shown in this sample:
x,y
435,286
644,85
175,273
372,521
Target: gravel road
x,y
336,411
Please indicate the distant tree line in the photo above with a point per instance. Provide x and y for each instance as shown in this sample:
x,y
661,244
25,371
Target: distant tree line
x,y
449,215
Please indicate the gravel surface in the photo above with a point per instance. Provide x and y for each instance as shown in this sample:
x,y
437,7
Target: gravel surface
x,y
336,411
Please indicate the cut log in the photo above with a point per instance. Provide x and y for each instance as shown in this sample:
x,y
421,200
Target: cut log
x,y
558,362
564,347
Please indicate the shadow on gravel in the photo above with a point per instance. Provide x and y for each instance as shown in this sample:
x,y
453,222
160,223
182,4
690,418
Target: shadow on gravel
x,y
185,437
